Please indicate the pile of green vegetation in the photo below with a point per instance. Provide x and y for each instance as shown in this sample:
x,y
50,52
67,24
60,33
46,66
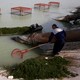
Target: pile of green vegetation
x,y
41,68
15,30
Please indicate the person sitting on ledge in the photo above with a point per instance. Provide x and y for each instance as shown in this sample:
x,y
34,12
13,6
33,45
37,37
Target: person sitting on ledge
x,y
60,36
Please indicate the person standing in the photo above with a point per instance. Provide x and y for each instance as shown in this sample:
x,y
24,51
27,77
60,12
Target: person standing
x,y
60,36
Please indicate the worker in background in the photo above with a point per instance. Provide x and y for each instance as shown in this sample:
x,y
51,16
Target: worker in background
x,y
60,36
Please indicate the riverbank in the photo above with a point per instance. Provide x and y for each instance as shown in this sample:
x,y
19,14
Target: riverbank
x,y
73,18
21,30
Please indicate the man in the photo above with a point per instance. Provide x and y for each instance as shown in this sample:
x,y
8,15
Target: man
x,y
60,36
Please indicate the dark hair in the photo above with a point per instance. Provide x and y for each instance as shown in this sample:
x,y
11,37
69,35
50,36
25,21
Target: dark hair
x,y
54,25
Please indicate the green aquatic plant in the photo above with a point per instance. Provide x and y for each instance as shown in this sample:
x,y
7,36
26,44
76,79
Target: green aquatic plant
x,y
41,68
15,30
21,30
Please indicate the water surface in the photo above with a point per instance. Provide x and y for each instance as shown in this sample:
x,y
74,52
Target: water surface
x,y
37,16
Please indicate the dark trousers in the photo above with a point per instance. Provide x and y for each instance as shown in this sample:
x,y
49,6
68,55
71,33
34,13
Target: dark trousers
x,y
57,47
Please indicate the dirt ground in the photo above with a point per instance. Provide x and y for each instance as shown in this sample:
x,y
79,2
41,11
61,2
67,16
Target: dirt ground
x,y
71,51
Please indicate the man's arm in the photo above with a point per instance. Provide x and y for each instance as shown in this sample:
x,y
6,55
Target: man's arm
x,y
51,36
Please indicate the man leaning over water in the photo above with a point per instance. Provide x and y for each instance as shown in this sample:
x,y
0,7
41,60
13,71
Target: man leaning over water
x,y
57,33
60,36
